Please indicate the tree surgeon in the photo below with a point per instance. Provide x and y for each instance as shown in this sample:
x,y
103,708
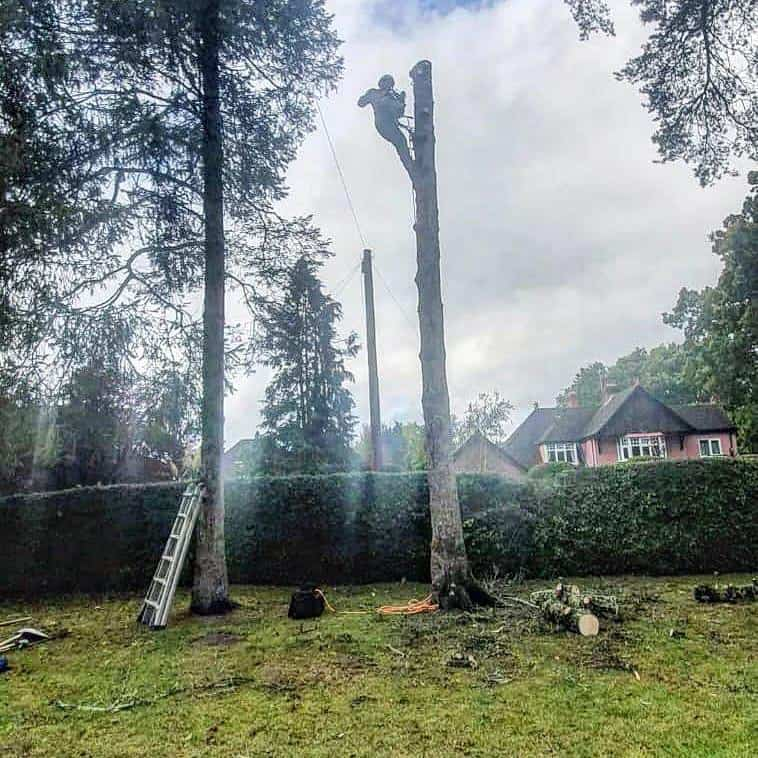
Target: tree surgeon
x,y
452,580
389,107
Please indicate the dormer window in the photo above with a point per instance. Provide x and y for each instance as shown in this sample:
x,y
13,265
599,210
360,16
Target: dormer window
x,y
641,446
560,452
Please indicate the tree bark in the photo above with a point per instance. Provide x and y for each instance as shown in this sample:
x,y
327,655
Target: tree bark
x,y
210,588
451,577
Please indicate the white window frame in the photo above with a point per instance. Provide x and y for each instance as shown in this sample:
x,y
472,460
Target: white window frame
x,y
563,452
709,442
642,440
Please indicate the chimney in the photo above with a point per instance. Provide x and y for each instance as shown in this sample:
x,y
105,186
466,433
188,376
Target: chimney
x,y
573,399
609,390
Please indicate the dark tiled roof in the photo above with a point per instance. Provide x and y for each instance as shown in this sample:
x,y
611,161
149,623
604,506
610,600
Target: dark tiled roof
x,y
605,412
501,451
568,424
705,417
521,443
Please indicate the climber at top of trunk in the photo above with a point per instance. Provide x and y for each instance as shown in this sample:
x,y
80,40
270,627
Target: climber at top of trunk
x,y
389,106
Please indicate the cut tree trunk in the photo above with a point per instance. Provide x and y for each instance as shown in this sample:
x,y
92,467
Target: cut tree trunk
x,y
210,588
452,580
575,619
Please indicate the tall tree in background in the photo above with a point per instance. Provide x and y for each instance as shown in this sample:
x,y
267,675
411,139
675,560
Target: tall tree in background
x,y
181,117
720,323
307,412
698,73
662,370
489,415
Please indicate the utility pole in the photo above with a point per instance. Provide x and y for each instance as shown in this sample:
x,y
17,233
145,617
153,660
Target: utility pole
x,y
373,371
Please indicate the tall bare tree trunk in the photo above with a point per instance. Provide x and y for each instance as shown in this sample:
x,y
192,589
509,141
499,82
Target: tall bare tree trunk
x,y
210,588
451,576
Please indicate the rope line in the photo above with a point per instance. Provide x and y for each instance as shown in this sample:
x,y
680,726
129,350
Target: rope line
x,y
411,608
402,310
341,176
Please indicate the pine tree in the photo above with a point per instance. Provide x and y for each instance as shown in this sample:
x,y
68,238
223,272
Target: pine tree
x,y
307,414
182,116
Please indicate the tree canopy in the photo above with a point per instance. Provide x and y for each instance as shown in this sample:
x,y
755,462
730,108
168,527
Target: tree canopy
x,y
698,74
720,323
102,173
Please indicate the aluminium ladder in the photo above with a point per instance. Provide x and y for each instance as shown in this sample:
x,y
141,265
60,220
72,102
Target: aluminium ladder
x,y
160,595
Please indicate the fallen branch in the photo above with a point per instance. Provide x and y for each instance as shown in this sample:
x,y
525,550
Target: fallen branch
x,y
124,705
731,593
575,619
20,620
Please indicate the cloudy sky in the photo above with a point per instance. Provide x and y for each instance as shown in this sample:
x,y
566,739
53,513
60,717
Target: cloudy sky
x,y
562,241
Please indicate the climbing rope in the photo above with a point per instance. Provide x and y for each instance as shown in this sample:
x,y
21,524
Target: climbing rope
x,y
411,608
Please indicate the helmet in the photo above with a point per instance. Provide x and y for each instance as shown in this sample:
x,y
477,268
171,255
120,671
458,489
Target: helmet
x,y
386,82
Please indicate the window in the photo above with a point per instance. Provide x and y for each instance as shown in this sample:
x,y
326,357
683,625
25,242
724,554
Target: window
x,y
565,452
641,446
710,447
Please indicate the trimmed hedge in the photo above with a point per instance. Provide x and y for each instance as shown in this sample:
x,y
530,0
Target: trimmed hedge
x,y
340,528
86,539
665,517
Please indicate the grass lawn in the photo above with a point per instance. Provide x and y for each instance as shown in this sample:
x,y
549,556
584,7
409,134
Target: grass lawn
x,y
256,684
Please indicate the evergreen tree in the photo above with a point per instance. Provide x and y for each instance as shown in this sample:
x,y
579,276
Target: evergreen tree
x,y
698,76
307,413
182,116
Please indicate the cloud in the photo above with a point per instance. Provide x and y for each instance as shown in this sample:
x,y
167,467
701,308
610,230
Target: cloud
x,y
562,241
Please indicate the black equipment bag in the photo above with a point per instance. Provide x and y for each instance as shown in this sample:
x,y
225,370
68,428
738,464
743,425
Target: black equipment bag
x,y
306,603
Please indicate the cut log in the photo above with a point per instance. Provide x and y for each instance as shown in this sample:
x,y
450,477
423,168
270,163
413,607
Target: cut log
x,y
575,619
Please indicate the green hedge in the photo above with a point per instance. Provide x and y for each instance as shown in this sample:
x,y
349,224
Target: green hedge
x,y
667,517
341,528
85,539
653,518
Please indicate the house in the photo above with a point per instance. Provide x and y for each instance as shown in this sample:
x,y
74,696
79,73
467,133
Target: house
x,y
477,455
628,424
242,458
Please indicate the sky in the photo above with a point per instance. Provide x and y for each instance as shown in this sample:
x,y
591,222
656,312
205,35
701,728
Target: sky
x,y
563,241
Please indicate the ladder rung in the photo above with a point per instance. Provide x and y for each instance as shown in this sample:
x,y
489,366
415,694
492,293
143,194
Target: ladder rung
x,y
151,604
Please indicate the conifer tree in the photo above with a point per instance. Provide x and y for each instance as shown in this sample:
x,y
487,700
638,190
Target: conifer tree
x,y
143,145
307,414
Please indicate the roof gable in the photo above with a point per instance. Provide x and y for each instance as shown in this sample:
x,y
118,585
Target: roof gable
x,y
477,439
633,411
521,444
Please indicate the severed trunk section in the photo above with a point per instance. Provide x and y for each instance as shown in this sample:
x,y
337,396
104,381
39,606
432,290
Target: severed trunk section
x,y
210,587
451,576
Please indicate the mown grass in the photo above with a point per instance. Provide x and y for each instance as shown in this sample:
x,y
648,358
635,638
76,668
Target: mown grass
x,y
256,684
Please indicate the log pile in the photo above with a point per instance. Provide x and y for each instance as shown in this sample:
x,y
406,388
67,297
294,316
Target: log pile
x,y
730,593
568,607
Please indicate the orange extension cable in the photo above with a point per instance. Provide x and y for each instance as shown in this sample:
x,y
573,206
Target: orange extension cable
x,y
411,608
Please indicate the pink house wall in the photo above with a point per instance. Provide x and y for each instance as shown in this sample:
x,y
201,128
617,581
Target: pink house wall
x,y
609,454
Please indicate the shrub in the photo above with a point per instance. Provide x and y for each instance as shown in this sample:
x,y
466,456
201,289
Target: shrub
x,y
347,528
662,517
652,518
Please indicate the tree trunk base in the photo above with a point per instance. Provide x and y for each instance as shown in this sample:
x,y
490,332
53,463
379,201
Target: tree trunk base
x,y
463,592
216,608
